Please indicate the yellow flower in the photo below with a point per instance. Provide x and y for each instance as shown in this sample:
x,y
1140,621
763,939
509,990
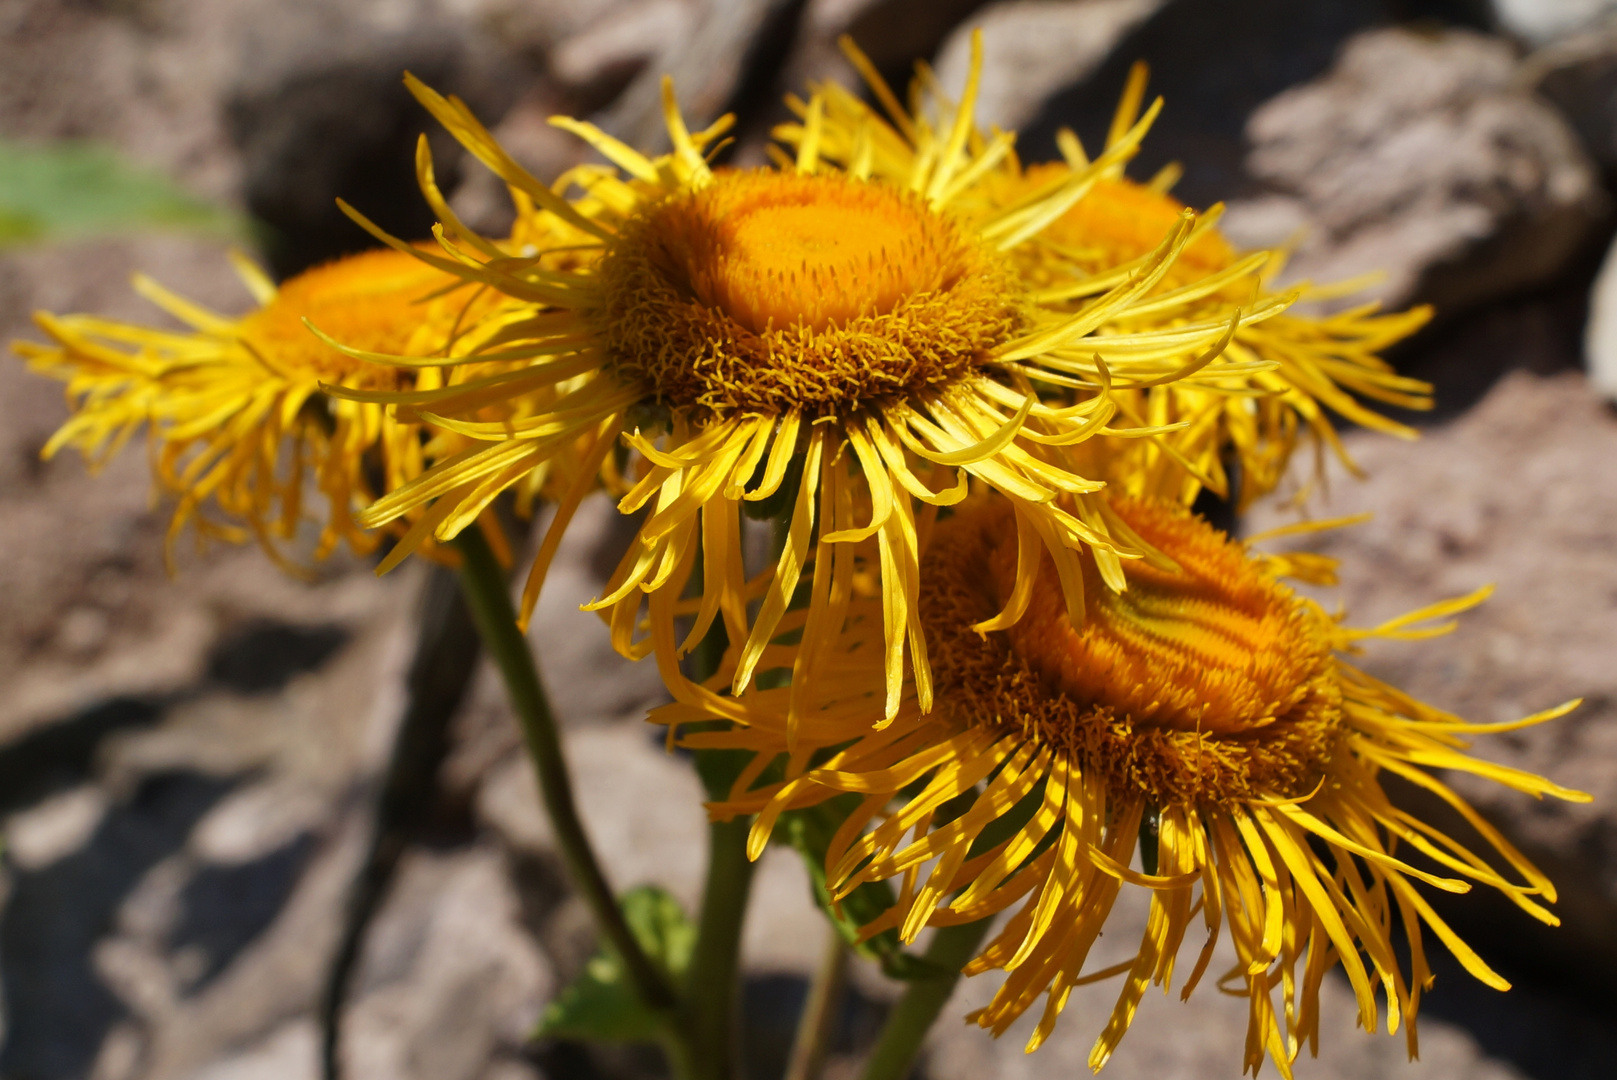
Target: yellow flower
x,y
1209,702
748,327
1297,366
237,420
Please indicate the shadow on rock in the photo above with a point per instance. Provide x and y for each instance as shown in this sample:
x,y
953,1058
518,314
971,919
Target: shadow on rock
x,y
262,656
58,1007
1546,1026
1265,46
223,909
342,125
58,756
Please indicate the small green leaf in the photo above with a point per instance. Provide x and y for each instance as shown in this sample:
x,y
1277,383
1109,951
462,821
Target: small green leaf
x,y
52,191
601,1005
661,927
809,832
16,227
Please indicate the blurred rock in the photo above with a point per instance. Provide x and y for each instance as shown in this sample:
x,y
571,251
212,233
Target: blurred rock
x,y
290,1052
642,808
320,113
709,62
451,979
1541,331
1539,21
815,55
54,828
1213,62
146,78
1032,48
621,42
1416,157
535,27
1600,340
1578,75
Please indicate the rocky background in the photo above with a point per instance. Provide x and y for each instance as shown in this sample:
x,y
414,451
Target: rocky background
x,y
191,768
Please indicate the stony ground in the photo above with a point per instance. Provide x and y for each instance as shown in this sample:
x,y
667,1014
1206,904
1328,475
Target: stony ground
x,y
188,765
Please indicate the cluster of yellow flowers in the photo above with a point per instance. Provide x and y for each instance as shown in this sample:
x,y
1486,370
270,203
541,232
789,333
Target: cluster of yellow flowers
x,y
978,398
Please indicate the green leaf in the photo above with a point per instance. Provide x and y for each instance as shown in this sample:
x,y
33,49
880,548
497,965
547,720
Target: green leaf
x,y
601,1005
661,927
51,191
809,832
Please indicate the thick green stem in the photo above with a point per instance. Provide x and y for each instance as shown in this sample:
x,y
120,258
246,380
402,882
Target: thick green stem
x,y
912,1017
714,977
819,1020
487,593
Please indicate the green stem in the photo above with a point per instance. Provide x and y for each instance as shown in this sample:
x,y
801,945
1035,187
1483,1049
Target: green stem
x,y
819,1020
713,979
488,595
912,1017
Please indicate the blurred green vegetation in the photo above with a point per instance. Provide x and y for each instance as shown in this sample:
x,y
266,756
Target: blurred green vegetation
x,y
70,190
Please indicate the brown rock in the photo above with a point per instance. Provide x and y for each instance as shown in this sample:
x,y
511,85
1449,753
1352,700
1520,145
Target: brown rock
x,y
451,978
1578,75
1032,48
706,57
1417,157
1546,20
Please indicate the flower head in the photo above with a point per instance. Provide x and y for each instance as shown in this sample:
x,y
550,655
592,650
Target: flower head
x,y
237,418
855,344
1284,374
1207,707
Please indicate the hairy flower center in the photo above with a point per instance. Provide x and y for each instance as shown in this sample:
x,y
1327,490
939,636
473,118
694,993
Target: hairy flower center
x,y
1209,682
1216,647
1119,220
771,291
372,301
773,250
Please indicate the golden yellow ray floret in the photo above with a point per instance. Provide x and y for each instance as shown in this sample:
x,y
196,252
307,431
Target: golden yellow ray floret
x,y
240,430
855,345
1209,704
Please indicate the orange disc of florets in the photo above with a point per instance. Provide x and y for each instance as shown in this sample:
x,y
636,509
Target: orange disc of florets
x,y
766,291
775,250
374,301
1119,220
1210,682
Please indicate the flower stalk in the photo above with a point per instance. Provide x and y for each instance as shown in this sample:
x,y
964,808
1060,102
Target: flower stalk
x,y
487,595
918,1009
818,1023
712,1002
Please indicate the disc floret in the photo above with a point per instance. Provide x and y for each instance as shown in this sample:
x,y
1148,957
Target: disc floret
x,y
1205,680
768,291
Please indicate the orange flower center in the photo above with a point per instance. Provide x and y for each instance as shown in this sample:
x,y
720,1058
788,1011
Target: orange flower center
x,y
1120,220
779,250
1217,647
769,291
374,301
1206,683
